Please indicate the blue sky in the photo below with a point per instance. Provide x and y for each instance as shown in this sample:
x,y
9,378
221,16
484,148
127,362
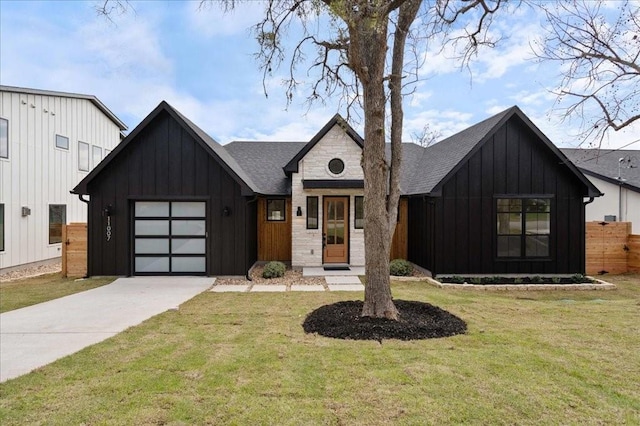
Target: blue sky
x,y
201,62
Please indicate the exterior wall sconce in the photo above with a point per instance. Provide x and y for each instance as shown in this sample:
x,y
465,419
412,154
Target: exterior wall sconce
x,y
299,211
26,211
226,211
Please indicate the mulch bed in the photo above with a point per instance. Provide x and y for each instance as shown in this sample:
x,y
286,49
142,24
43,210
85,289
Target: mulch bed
x,y
417,321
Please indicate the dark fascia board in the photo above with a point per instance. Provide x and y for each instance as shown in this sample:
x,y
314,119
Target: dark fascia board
x,y
94,100
592,191
332,183
81,188
609,179
292,166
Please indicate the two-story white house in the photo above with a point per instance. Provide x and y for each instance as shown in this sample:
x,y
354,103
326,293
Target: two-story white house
x,y
49,141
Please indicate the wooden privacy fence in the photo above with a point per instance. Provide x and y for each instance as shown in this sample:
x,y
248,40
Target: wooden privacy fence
x,y
74,250
611,248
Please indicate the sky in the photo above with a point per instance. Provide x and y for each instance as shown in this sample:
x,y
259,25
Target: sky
x,y
201,61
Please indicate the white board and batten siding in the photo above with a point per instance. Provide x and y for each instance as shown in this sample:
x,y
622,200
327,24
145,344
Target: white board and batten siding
x,y
37,174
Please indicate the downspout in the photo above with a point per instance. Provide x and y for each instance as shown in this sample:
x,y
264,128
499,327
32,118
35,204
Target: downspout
x,y
248,275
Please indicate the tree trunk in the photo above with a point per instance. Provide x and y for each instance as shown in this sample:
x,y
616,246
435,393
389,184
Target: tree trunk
x,y
368,60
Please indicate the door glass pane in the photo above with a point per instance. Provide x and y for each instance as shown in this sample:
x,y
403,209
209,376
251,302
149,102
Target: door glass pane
x,y
152,227
152,209
339,233
339,210
152,245
188,209
152,264
187,246
188,227
188,264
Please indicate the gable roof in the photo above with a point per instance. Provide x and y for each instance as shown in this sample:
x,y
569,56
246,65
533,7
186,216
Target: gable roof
x,y
605,164
264,162
292,165
207,142
443,160
102,107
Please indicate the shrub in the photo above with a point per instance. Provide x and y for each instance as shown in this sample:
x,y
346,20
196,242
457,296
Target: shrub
x,y
517,280
579,278
274,269
475,280
456,279
556,280
537,279
400,268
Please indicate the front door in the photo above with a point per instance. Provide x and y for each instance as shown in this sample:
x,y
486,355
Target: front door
x,y
336,230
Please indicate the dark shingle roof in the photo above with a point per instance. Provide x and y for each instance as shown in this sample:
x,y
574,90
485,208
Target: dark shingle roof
x,y
439,160
605,164
264,162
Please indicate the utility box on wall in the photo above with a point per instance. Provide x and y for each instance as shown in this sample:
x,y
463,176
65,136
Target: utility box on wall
x,y
610,218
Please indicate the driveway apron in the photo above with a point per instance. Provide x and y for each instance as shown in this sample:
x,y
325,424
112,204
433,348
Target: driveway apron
x,y
37,335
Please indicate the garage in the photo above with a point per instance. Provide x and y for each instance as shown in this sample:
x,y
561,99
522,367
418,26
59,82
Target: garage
x,y
170,238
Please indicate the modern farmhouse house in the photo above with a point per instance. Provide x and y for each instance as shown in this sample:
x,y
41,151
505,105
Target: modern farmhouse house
x,y
49,141
498,197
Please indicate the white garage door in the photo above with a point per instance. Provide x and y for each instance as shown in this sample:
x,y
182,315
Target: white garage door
x,y
170,238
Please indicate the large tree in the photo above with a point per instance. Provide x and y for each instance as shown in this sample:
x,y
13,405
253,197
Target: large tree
x,y
597,45
361,52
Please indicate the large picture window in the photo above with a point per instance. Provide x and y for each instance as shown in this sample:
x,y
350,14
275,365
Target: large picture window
x,y
276,210
523,227
4,138
358,217
57,218
1,227
312,212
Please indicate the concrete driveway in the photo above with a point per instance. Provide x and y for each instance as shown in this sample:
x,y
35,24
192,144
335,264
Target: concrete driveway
x,y
37,335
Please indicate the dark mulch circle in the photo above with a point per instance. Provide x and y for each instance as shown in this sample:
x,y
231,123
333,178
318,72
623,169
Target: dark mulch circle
x,y
417,320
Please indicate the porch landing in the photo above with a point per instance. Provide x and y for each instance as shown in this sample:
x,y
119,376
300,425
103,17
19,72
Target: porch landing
x,y
319,271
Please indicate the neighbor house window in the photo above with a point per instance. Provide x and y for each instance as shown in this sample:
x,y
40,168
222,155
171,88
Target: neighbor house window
x,y
62,142
83,156
96,153
358,217
312,212
275,210
1,227
523,227
4,138
57,218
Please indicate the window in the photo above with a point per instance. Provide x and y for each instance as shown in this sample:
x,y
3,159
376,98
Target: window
x,y
57,218
1,227
83,156
275,210
523,227
312,212
96,154
358,220
336,166
62,142
4,138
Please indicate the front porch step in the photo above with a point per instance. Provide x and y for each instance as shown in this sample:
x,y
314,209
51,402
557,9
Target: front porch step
x,y
318,271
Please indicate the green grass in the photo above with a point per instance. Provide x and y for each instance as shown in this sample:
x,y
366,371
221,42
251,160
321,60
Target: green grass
x,y
30,291
242,358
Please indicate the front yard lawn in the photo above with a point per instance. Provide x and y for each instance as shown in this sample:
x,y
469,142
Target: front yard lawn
x,y
30,291
529,357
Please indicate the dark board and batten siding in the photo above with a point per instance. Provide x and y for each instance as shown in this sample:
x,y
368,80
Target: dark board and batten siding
x,y
456,231
164,162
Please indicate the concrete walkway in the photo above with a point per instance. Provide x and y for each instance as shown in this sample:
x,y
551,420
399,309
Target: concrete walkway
x,y
37,335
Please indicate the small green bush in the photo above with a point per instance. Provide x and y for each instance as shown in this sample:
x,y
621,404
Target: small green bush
x,y
475,280
400,268
517,280
579,278
456,279
556,280
537,279
274,269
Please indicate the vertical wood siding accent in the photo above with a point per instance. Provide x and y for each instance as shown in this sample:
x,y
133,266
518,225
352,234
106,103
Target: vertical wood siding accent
x,y
460,236
164,162
274,238
37,174
399,244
